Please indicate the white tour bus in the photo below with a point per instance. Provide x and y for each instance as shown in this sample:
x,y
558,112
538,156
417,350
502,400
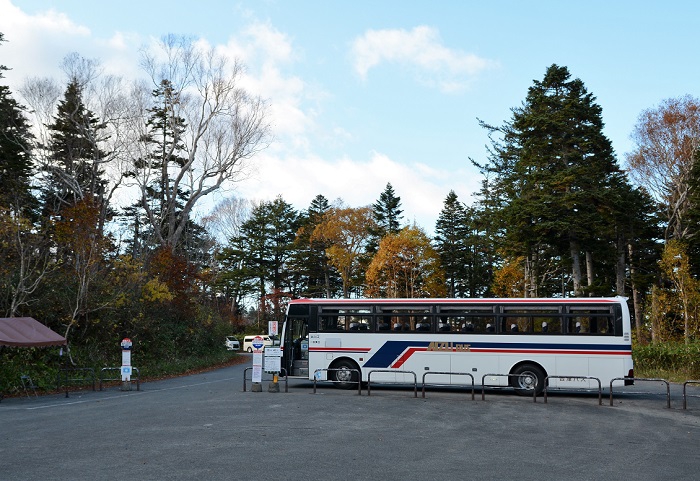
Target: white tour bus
x,y
573,338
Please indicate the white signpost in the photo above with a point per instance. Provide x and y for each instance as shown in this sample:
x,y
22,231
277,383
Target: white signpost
x,y
257,359
272,328
273,359
273,364
126,363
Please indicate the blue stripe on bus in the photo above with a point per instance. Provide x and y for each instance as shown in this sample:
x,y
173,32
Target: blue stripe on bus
x,y
391,350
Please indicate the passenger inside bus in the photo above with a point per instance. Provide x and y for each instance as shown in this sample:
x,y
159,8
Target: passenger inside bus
x,y
489,327
468,327
382,326
513,328
545,326
444,325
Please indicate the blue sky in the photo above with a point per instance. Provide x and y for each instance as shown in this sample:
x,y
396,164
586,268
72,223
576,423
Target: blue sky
x,y
368,92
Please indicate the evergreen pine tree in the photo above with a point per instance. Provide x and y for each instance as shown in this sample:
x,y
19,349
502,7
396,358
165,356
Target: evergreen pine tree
x,y
555,170
310,260
75,167
451,244
16,167
387,216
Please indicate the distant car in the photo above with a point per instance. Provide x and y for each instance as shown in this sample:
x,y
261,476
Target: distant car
x,y
248,342
232,343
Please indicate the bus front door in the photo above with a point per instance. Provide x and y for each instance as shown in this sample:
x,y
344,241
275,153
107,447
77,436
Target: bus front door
x,y
296,349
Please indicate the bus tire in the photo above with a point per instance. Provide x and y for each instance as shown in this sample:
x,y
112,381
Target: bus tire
x,y
346,377
524,385
250,349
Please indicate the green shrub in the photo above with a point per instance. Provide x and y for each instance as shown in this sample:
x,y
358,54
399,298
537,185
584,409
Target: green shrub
x,y
673,361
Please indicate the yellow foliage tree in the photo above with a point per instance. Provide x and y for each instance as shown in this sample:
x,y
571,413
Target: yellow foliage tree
x,y
509,280
685,293
406,265
346,231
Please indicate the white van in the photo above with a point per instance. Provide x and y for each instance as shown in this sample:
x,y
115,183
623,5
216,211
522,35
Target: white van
x,y
248,342
232,343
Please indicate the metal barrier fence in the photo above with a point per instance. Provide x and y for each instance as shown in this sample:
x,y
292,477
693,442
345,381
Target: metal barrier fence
x,y
600,387
483,384
415,379
685,404
27,384
245,372
359,384
450,373
136,378
668,387
88,370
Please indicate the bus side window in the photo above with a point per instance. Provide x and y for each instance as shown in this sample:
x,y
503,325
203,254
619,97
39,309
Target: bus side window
x,y
445,324
606,326
578,325
400,324
330,323
467,324
484,324
423,324
516,324
547,325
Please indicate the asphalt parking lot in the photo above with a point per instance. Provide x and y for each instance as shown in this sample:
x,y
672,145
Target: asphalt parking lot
x,y
205,427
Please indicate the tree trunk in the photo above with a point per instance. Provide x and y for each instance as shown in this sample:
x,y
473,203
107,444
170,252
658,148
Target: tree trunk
x,y
575,266
589,271
636,302
620,267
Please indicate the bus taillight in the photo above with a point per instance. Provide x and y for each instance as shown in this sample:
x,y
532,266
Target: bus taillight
x,y
629,380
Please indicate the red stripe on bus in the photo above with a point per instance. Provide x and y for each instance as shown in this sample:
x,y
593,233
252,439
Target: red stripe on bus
x,y
340,349
409,352
404,357
548,351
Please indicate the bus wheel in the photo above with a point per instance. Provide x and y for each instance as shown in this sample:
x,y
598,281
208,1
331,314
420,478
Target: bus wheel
x,y
533,379
346,377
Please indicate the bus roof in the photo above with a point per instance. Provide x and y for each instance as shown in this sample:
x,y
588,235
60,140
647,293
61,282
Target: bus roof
x,y
504,300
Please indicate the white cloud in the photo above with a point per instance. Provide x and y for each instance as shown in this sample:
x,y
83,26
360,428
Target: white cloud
x,y
422,50
36,45
266,52
357,182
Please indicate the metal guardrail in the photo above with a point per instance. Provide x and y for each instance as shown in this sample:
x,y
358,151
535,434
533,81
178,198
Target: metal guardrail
x,y
450,373
415,379
67,379
245,372
359,375
600,387
483,384
118,378
668,387
27,384
685,403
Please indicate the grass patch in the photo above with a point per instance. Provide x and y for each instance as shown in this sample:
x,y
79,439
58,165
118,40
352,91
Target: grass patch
x,y
675,362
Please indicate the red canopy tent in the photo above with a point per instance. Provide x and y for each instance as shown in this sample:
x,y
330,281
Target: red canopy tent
x,y
27,332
